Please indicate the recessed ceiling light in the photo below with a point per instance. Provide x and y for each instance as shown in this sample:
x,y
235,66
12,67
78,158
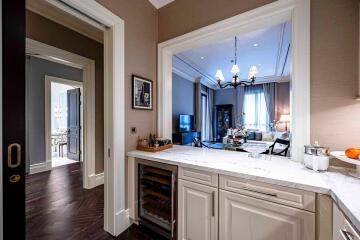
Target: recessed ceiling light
x,y
202,58
255,44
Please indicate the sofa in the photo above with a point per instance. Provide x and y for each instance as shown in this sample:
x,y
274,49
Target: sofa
x,y
256,136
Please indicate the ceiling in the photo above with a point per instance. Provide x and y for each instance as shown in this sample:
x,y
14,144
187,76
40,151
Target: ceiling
x,y
265,48
160,3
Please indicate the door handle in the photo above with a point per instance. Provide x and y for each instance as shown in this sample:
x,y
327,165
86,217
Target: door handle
x,y
213,204
345,234
17,162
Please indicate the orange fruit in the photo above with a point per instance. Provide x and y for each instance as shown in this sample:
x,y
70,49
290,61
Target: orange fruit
x,y
353,153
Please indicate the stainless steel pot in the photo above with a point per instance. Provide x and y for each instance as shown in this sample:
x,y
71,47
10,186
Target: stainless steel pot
x,y
316,150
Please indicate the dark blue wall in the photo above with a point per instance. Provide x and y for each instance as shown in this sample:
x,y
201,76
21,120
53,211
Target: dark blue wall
x,y
224,96
183,98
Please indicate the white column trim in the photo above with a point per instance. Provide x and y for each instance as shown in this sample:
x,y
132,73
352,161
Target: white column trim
x,y
114,112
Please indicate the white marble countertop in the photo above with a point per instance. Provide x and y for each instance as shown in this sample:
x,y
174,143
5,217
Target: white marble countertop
x,y
344,189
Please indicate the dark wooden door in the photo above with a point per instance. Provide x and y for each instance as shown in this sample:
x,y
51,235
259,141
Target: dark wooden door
x,y
13,118
223,120
73,122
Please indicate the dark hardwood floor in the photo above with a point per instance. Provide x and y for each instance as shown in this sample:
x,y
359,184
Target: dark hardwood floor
x,y
57,207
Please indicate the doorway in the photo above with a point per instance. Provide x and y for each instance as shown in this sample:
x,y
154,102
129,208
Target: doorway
x,y
66,120
297,12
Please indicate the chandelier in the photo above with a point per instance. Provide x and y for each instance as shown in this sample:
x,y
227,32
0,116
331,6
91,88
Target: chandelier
x,y
236,81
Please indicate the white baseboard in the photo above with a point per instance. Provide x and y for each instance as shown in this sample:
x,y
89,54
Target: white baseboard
x,y
99,179
40,167
123,221
95,180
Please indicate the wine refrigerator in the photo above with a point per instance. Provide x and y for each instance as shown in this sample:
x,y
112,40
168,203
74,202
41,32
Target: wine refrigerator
x,y
157,190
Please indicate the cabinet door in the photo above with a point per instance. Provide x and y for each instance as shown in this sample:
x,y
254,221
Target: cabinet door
x,y
342,229
243,217
338,223
197,211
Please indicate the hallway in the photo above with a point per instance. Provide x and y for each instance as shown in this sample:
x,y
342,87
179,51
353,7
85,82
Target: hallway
x,y
57,207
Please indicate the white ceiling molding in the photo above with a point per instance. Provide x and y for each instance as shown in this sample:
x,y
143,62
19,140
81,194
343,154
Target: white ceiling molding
x,y
44,9
160,3
183,74
281,43
190,65
266,48
190,71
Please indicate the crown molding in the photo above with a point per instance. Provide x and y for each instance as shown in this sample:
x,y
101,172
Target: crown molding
x,y
183,74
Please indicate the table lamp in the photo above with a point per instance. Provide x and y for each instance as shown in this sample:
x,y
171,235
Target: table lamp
x,y
285,118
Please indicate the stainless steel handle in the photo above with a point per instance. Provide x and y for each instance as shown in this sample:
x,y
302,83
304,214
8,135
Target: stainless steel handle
x,y
346,235
260,192
17,163
213,204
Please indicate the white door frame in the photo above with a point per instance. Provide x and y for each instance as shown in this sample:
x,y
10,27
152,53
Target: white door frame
x,y
88,66
298,11
116,217
48,100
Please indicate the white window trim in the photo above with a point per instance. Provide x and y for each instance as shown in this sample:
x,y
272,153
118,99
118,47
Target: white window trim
x,y
298,11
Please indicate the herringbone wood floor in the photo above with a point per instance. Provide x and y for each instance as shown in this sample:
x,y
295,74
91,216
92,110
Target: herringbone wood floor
x,y
58,208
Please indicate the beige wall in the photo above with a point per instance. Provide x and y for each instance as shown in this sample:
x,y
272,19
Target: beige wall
x,y
140,19
43,30
141,33
335,116
183,16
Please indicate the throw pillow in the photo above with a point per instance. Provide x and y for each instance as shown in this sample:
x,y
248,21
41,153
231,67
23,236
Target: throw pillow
x,y
268,137
258,136
251,136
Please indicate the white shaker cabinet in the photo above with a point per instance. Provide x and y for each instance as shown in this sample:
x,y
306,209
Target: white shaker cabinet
x,y
197,211
342,229
248,218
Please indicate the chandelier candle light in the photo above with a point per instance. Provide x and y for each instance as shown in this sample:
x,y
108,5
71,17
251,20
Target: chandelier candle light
x,y
235,71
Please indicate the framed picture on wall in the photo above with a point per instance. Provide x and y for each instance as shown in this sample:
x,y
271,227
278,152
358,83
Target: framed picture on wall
x,y
141,93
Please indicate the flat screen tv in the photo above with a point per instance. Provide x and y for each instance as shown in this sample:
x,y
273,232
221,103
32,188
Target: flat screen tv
x,y
186,123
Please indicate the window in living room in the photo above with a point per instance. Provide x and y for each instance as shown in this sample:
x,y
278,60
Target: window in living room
x,y
255,112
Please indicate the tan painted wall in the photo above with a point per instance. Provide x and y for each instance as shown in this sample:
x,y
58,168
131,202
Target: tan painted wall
x,y
140,58
140,19
183,16
335,116
43,30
